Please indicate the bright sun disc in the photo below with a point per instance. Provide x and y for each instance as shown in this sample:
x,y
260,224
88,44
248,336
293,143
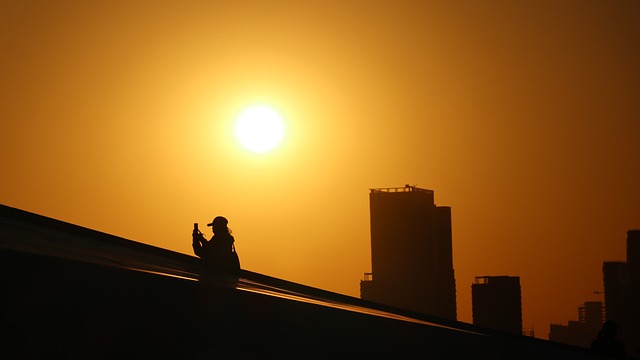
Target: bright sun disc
x,y
259,129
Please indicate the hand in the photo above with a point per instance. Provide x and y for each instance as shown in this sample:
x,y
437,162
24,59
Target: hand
x,y
197,236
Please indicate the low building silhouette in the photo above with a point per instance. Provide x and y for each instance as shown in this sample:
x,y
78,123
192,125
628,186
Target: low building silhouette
x,y
411,252
582,332
497,303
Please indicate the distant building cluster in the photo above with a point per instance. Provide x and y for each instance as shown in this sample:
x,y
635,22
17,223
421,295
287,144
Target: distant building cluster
x,y
621,304
412,268
583,331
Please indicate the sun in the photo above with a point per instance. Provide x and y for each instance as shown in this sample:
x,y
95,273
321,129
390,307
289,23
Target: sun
x,y
259,129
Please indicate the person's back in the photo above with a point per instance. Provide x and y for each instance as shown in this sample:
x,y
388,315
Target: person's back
x,y
218,252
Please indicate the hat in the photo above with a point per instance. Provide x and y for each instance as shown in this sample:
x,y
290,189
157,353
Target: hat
x,y
220,220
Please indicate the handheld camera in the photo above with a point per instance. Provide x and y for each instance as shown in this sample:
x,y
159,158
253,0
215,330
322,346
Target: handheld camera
x,y
196,234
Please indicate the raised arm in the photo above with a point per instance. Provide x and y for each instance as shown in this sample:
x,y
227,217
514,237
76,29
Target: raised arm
x,y
197,241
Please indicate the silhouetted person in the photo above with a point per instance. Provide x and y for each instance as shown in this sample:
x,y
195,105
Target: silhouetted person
x,y
606,345
218,254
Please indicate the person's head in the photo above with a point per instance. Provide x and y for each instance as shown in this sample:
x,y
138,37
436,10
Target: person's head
x,y
219,225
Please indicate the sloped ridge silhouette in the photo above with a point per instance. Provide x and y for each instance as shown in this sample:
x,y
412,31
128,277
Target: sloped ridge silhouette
x,y
74,292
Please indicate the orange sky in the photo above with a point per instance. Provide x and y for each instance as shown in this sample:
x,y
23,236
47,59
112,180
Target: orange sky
x,y
523,116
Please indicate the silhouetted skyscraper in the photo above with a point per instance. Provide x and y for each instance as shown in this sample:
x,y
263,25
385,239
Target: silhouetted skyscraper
x,y
622,293
615,293
497,303
411,252
633,278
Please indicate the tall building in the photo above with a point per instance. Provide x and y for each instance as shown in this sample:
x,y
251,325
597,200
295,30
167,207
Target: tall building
x,y
411,252
622,293
615,294
633,281
497,303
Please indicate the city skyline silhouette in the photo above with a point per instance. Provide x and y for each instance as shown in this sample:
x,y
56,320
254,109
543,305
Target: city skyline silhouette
x,y
523,117
107,296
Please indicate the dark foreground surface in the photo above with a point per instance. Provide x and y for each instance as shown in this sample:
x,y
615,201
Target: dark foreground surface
x,y
72,292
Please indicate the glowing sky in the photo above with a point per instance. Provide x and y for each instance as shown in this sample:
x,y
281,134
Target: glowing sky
x,y
523,116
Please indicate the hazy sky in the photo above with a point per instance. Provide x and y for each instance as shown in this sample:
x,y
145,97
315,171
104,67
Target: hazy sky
x,y
522,116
